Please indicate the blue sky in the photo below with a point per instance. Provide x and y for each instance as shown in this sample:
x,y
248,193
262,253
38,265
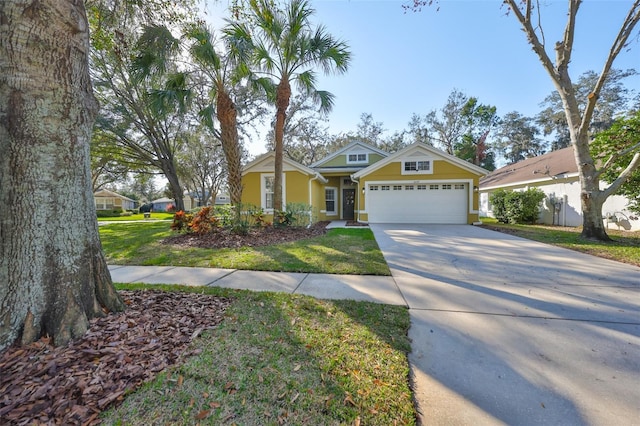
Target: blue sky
x,y
409,62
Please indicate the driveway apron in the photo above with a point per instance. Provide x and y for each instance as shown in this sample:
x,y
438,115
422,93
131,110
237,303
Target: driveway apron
x,y
510,331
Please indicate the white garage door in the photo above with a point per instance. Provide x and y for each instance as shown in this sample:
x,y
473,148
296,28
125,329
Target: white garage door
x,y
417,203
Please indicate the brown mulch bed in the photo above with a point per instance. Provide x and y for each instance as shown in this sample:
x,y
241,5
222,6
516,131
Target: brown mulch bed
x,y
71,385
256,237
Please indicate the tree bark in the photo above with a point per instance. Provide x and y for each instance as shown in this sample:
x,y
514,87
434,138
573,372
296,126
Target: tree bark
x,y
592,197
228,118
53,274
283,97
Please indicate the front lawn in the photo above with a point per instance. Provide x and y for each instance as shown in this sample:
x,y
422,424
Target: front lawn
x,y
139,216
339,251
625,246
285,359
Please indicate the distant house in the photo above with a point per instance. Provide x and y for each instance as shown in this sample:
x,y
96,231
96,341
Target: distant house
x,y
194,199
162,204
418,184
222,199
556,174
109,200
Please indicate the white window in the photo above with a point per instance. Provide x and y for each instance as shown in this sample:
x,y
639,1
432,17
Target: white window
x,y
104,203
373,187
417,166
357,158
397,187
330,195
422,187
459,186
409,188
384,187
446,186
434,187
266,190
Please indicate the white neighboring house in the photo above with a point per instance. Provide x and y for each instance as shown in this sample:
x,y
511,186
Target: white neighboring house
x,y
556,174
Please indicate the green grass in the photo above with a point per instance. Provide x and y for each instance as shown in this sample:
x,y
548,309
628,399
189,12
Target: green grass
x,y
285,359
139,216
340,251
625,246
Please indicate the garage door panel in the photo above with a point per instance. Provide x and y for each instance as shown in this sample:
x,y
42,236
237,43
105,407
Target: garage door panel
x,y
418,206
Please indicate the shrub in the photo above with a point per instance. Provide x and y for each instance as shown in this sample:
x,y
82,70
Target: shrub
x,y
107,213
258,219
499,206
226,215
204,221
282,218
517,206
181,221
301,213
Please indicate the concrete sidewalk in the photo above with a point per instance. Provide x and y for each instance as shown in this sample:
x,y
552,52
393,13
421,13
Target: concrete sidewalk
x,y
369,288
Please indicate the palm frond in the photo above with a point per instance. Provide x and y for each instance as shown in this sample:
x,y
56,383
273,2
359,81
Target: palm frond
x,y
155,47
175,96
202,48
207,115
238,41
265,85
325,100
306,81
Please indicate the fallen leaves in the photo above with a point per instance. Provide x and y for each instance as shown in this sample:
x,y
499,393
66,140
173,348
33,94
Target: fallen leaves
x,y
72,384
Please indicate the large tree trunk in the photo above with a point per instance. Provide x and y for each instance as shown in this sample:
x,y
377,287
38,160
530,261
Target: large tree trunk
x,y
170,172
592,197
282,103
227,115
53,275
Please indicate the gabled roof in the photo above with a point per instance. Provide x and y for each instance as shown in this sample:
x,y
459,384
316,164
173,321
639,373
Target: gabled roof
x,y
265,162
107,193
162,200
349,147
549,166
427,149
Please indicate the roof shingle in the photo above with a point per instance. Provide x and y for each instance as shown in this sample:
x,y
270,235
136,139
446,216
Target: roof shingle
x,y
547,166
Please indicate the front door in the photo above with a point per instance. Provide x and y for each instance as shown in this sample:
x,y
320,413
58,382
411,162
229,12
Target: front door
x,y
348,203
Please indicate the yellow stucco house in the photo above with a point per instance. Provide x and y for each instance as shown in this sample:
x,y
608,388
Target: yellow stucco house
x,y
418,184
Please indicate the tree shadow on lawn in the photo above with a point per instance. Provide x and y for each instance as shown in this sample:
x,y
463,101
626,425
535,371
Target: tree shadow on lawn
x,y
353,262
282,358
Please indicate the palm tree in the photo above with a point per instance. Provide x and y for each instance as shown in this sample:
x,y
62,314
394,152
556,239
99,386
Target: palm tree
x,y
284,47
223,73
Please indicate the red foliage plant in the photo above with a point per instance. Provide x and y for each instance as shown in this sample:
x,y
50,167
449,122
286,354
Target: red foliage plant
x,y
203,222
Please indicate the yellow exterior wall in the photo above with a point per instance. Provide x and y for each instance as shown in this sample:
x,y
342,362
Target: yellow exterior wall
x,y
297,187
317,201
442,170
296,190
341,161
251,189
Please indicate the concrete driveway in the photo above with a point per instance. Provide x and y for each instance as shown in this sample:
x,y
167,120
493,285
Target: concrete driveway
x,y
510,331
